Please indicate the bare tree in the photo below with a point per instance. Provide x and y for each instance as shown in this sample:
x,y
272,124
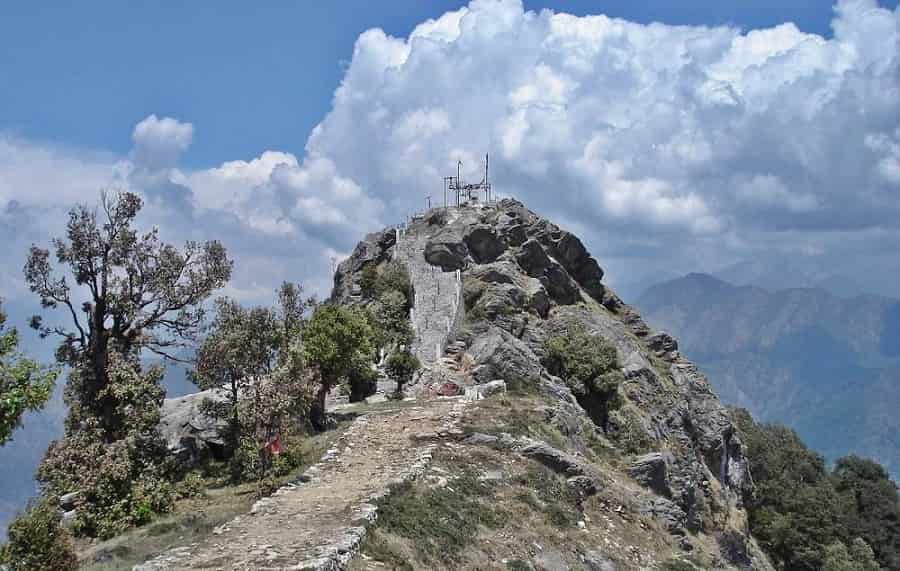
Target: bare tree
x,y
139,292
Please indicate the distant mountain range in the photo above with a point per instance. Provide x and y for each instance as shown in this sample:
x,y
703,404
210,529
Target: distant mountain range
x,y
824,365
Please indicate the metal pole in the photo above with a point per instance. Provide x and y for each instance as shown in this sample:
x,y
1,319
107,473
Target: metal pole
x,y
487,187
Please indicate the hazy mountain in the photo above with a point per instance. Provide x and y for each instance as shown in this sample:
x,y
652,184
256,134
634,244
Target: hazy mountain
x,y
825,365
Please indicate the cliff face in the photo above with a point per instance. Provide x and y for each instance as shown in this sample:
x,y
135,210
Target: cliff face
x,y
523,280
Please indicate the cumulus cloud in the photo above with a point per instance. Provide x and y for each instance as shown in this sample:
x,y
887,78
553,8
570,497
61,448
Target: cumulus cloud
x,y
668,148
159,142
684,139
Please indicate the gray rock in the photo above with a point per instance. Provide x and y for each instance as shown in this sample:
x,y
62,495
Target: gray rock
x,y
559,461
550,560
68,518
651,470
189,434
533,259
561,288
666,512
596,561
447,249
494,387
662,343
484,244
67,501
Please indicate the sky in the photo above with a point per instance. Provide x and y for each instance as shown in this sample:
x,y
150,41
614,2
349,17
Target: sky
x,y
740,137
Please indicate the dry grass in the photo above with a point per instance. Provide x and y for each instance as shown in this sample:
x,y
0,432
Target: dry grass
x,y
507,510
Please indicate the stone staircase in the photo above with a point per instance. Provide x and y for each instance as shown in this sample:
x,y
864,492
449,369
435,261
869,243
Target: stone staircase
x,y
438,295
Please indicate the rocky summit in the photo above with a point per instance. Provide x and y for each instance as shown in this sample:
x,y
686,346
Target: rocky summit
x,y
673,460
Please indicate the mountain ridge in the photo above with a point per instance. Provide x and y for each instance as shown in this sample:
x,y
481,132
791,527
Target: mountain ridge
x,y
800,356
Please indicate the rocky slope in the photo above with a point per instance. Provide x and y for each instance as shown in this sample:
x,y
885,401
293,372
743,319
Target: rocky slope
x,y
800,357
669,458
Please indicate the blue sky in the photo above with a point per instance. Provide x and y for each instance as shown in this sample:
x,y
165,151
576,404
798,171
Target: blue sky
x,y
250,76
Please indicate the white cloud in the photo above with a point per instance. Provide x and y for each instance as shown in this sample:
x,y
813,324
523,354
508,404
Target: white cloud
x,y
158,143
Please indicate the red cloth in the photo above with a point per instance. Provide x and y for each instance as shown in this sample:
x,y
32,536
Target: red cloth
x,y
274,446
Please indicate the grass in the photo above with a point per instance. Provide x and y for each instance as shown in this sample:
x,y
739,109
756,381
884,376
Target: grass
x,y
440,522
193,519
471,523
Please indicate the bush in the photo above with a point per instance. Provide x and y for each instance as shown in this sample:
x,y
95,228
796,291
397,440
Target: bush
x,y
401,366
37,542
590,367
375,280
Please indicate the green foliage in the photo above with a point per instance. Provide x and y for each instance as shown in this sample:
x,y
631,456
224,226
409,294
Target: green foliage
x,y
255,355
393,276
37,542
368,279
401,366
24,385
869,507
590,368
391,320
121,483
804,517
858,558
337,343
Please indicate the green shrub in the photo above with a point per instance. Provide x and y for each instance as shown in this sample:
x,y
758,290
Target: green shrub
x,y
590,367
401,366
37,542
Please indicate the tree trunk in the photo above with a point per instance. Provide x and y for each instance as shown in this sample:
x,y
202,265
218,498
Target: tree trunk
x,y
317,416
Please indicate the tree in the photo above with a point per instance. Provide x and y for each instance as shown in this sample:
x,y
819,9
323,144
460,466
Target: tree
x,y
391,320
255,355
37,542
24,385
121,483
590,368
869,506
241,348
337,343
401,366
858,558
141,294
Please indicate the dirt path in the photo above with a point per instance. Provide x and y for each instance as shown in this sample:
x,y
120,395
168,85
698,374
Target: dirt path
x,y
319,523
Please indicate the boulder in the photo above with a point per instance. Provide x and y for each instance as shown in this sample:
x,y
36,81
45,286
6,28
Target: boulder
x,y
559,461
662,343
191,435
484,244
447,249
561,288
538,299
494,387
533,259
651,470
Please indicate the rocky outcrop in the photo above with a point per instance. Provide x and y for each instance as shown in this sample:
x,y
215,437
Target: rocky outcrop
x,y
525,280
191,435
652,470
